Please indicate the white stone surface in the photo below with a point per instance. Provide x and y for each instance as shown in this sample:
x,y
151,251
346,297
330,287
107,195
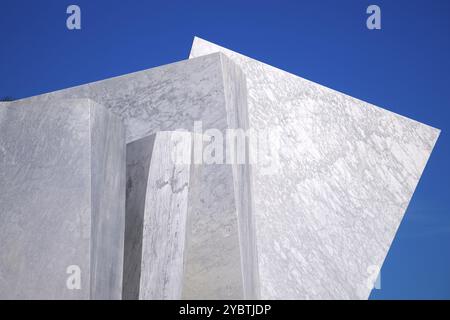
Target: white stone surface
x,y
157,208
139,155
173,97
325,219
62,200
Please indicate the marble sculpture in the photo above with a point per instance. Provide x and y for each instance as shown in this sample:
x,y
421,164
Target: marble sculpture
x,y
90,177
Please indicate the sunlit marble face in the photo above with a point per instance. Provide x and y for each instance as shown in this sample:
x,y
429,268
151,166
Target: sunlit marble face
x,y
62,200
313,220
173,97
325,219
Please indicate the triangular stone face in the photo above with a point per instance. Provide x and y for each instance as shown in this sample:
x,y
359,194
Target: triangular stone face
x,y
341,178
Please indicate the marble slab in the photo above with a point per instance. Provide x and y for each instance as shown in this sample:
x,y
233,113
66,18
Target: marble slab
x,y
158,187
338,184
139,155
62,200
174,97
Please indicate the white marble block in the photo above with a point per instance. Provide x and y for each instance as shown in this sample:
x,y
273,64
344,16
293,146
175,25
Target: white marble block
x,y
210,89
62,200
158,188
328,201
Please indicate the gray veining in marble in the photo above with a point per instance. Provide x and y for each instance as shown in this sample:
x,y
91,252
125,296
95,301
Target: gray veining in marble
x,y
139,155
346,171
165,98
62,199
157,209
172,97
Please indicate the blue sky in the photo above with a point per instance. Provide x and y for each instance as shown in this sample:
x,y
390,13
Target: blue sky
x,y
405,67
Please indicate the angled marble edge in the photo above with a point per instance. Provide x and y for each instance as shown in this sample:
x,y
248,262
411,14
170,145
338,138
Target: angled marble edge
x,y
108,166
163,98
214,253
347,171
49,219
157,208
237,117
139,155
201,47
173,97
169,182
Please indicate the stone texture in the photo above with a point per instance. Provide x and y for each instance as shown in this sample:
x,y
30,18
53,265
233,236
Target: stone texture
x,y
157,210
338,186
173,97
139,155
108,165
62,199
238,120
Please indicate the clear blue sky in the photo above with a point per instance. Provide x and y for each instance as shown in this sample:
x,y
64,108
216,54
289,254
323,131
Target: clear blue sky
x,y
405,67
